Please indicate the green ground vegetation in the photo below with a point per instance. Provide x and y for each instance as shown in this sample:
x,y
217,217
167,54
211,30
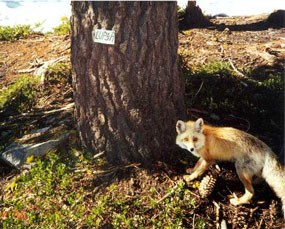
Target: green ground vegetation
x,y
63,28
12,33
59,73
20,96
60,191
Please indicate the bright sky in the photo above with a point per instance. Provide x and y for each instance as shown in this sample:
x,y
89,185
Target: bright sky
x,y
238,7
50,11
31,12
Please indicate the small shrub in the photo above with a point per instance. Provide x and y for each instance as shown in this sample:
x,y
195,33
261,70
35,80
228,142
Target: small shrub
x,y
63,28
180,11
59,73
8,33
20,96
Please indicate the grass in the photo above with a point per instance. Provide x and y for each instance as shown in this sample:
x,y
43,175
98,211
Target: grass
x,y
60,192
20,96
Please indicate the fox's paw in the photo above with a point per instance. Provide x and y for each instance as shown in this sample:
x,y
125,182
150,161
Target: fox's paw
x,y
188,178
239,201
234,201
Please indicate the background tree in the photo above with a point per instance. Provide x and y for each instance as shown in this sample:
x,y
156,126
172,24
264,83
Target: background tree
x,y
128,95
193,17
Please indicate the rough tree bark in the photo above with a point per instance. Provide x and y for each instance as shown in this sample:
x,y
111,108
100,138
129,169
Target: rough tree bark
x,y
128,96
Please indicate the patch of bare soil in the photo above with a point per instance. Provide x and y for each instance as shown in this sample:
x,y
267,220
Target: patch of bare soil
x,y
17,57
247,50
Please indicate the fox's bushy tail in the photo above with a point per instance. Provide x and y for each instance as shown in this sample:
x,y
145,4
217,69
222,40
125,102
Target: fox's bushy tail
x,y
274,174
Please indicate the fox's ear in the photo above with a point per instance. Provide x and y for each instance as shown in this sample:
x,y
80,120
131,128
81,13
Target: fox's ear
x,y
198,126
180,126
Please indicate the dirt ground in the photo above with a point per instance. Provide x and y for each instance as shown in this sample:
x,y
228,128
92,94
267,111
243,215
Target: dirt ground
x,y
22,56
231,40
245,50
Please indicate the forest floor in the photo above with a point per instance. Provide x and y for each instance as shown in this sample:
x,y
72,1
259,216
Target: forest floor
x,y
234,75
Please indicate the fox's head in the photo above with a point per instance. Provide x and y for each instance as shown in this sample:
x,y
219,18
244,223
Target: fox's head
x,y
190,135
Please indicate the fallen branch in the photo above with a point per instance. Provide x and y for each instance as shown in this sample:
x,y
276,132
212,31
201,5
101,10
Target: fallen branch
x,y
27,70
202,112
264,55
248,122
199,90
10,120
41,71
33,40
194,194
67,107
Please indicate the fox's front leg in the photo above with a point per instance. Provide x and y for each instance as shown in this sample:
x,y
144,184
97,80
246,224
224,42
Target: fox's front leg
x,y
192,169
200,167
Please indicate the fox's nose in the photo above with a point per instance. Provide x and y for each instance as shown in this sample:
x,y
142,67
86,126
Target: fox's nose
x,y
192,149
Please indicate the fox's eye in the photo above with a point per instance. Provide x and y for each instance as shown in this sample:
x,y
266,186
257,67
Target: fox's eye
x,y
186,139
195,139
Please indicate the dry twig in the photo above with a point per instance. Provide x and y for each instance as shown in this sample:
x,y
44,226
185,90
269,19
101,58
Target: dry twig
x,y
235,69
217,214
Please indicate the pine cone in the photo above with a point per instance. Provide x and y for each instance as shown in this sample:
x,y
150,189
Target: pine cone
x,y
240,218
207,185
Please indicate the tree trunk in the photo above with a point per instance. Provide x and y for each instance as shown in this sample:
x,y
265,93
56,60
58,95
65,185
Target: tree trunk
x,y
129,95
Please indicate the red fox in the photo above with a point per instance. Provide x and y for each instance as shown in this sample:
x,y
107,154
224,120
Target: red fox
x,y
252,157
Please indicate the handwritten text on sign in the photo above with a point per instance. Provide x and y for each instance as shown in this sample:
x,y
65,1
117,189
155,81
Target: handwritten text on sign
x,y
103,36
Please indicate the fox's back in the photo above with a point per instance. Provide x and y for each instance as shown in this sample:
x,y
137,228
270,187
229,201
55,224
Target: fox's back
x,y
230,143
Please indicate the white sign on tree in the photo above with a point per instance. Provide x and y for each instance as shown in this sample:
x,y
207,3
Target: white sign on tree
x,y
103,36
